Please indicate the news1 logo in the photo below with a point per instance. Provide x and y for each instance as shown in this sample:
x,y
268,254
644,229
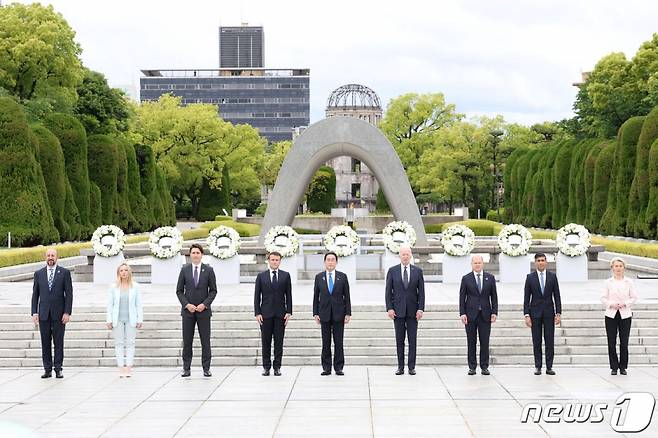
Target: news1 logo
x,y
632,412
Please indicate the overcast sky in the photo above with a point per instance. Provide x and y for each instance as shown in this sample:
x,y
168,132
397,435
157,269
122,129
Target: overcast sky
x,y
515,58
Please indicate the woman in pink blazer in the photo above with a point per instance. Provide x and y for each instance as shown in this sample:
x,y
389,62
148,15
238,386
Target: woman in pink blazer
x,y
618,296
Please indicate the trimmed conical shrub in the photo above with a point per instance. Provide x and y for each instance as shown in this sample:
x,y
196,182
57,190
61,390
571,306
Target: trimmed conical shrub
x,y
104,171
639,194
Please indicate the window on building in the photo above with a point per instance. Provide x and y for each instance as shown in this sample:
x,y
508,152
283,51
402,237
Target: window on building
x,y
356,190
356,165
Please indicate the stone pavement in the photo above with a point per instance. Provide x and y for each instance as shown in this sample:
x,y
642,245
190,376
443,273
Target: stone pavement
x,y
366,402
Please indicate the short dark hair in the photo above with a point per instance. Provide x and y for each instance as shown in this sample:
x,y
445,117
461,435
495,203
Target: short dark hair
x,y
331,253
540,255
197,246
274,253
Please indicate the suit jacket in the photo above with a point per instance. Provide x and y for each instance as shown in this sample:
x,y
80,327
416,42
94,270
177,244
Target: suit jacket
x,y
405,301
273,300
204,292
56,301
335,306
471,300
135,308
534,303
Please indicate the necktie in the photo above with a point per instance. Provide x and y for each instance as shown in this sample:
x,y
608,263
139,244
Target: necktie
x,y
479,284
274,278
51,275
196,276
331,283
405,277
541,282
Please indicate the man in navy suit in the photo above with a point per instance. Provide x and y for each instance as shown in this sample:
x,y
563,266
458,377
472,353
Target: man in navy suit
x,y
542,308
196,290
332,310
478,309
405,304
273,309
52,302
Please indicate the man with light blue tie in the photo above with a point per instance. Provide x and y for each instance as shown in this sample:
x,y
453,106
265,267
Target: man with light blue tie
x,y
542,308
332,310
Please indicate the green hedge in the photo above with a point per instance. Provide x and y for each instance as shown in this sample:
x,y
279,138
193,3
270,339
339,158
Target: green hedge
x,y
245,230
220,218
588,183
123,216
51,160
24,206
142,214
639,193
149,184
651,215
168,208
103,171
73,140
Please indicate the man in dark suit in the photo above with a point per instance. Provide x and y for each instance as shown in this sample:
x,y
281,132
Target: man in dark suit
x,y
196,291
52,302
542,308
273,309
405,304
478,309
332,310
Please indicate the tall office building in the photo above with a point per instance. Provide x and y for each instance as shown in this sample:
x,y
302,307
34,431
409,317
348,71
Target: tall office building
x,y
241,47
274,101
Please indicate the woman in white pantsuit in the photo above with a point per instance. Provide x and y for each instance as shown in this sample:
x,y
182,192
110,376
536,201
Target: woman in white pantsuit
x,y
124,316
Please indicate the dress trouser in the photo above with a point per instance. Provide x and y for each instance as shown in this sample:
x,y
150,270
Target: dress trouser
x,y
479,326
124,339
406,327
52,330
623,326
333,329
546,325
203,325
272,326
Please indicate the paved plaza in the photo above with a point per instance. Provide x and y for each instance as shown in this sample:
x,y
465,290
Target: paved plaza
x,y
366,402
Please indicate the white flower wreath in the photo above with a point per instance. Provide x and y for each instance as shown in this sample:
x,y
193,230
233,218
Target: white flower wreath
x,y
282,239
108,240
573,240
398,233
165,242
223,242
342,240
458,240
514,240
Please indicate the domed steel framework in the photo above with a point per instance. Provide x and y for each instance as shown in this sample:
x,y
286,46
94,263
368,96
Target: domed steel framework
x,y
353,96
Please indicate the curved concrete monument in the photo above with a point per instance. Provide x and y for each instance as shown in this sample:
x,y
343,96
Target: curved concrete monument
x,y
334,137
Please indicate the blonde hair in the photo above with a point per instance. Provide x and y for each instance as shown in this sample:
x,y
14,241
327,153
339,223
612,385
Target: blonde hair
x,y
130,274
617,259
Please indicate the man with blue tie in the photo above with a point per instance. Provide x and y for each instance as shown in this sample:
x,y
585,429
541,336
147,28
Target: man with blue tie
x,y
542,308
405,304
332,310
478,309
52,302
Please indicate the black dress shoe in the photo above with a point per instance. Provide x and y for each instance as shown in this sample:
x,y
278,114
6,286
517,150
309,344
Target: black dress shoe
x,y
412,371
471,372
207,373
485,372
537,371
266,372
325,373
277,372
613,372
399,372
47,375
550,371
58,374
622,372
340,373
186,373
